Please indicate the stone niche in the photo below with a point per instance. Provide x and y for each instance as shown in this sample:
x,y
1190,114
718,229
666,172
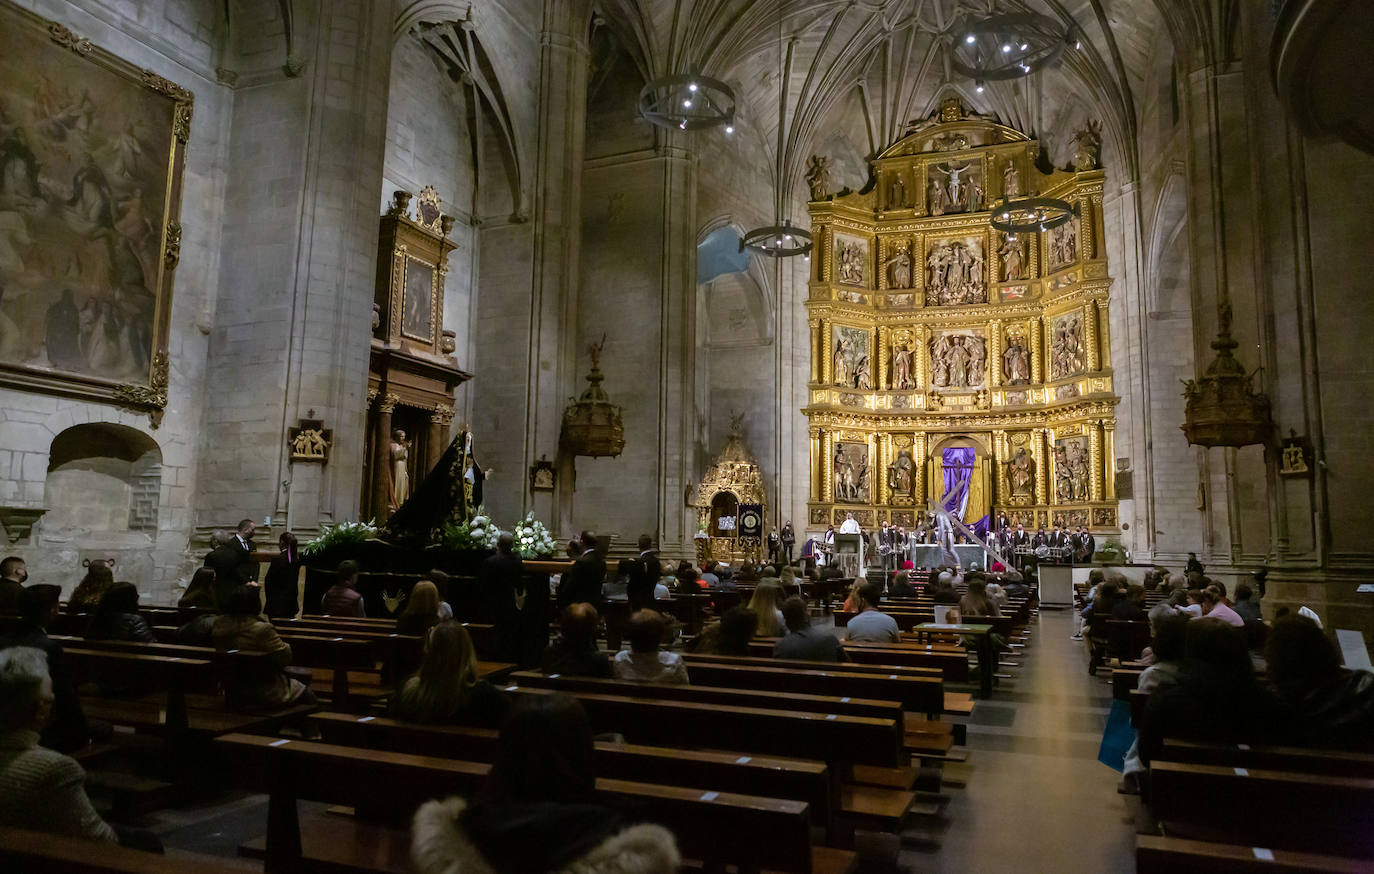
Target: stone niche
x,y
103,486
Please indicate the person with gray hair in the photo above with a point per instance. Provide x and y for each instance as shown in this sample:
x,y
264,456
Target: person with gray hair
x,y
40,789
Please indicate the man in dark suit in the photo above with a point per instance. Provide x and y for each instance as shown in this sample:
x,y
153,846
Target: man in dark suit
x,y
232,560
503,594
641,589
583,581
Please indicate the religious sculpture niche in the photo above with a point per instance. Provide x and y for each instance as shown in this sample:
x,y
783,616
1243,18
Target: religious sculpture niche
x,y
958,359
851,258
896,193
956,274
1012,251
1015,358
1021,474
898,266
902,360
1011,180
954,187
901,474
1070,469
399,455
818,177
1064,244
1087,146
310,441
852,366
1066,345
851,473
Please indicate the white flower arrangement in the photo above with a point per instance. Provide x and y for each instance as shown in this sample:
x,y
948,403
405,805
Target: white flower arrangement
x,y
532,539
478,533
333,535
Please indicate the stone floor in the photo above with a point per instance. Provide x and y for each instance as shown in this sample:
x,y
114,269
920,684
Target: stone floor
x,y
1034,797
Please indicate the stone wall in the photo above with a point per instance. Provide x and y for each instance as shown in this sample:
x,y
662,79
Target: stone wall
x,y
177,40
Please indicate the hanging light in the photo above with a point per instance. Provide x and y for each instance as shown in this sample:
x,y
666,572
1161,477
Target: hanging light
x,y
1028,42
778,241
1030,214
688,102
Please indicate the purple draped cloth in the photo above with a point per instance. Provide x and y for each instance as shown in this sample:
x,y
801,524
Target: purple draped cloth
x,y
958,464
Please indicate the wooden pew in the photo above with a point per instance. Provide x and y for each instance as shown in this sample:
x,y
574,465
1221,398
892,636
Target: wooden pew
x,y
30,852
748,696
839,737
1161,855
798,779
1304,760
917,694
953,665
1274,809
715,827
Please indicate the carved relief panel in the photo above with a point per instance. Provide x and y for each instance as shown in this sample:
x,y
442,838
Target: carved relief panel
x,y
1061,244
958,359
852,475
956,271
1071,469
1066,344
955,186
1016,357
853,367
902,372
851,259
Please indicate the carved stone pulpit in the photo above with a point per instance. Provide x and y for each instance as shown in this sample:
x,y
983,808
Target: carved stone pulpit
x,y
411,371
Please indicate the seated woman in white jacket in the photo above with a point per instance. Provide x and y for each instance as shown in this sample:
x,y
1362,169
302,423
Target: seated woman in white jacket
x,y
539,811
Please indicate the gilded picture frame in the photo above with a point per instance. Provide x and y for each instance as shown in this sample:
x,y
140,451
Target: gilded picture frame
x,y
92,157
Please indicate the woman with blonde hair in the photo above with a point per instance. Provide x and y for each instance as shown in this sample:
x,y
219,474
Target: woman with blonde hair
x,y
422,610
765,602
92,588
852,601
446,688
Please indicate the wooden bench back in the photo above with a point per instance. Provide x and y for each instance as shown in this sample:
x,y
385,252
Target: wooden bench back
x,y
715,826
917,694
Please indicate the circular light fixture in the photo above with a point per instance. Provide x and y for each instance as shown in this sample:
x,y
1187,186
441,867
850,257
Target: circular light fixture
x,y
688,102
1009,46
1025,215
778,241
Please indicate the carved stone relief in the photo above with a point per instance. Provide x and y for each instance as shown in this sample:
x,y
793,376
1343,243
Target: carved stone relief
x,y
1066,345
852,366
958,359
851,259
1071,473
851,473
956,272
1064,244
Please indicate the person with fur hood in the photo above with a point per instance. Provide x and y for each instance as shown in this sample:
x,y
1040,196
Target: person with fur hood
x,y
539,810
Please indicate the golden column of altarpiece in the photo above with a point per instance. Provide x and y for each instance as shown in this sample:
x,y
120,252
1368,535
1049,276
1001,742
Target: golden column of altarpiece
x,y
930,330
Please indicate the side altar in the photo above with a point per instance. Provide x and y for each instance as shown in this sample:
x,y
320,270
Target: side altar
x,y
951,360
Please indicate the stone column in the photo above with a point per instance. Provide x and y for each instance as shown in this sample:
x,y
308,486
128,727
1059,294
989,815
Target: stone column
x,y
883,447
827,467
1093,361
881,341
1109,459
918,452
995,353
1104,346
1000,452
815,494
381,458
817,374
438,435
1095,460
827,353
1042,466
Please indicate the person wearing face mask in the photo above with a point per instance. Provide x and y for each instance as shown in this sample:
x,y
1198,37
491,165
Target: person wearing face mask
x,y
13,574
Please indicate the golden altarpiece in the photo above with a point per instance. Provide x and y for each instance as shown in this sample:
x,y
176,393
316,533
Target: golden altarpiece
x,y
730,504
937,340
411,369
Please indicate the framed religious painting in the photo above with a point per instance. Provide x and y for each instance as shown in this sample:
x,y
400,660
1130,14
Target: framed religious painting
x,y
417,301
92,150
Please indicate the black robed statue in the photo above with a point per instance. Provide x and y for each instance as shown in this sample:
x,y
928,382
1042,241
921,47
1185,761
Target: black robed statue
x,y
449,495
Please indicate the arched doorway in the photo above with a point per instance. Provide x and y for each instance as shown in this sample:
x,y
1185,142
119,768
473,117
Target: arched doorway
x,y
961,476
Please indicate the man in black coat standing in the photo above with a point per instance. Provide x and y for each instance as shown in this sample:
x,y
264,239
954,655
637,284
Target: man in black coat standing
x,y
503,595
583,581
232,560
647,572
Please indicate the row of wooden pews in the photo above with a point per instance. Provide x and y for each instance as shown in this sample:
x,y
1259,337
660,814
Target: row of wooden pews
x,y
1234,807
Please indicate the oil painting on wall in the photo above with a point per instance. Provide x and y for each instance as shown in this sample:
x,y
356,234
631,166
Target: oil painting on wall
x,y
91,152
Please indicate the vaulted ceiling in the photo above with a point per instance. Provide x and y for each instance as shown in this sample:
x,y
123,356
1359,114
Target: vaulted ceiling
x,y
856,71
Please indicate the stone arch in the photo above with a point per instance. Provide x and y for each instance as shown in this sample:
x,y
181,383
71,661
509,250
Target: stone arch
x,y
104,481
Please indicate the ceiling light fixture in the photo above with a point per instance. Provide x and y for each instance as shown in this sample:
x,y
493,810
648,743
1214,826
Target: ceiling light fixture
x,y
1028,41
687,102
1030,214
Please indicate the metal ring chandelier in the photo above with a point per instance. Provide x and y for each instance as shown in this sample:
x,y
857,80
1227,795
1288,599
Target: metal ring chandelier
x,y
779,241
1027,215
688,102
1008,46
